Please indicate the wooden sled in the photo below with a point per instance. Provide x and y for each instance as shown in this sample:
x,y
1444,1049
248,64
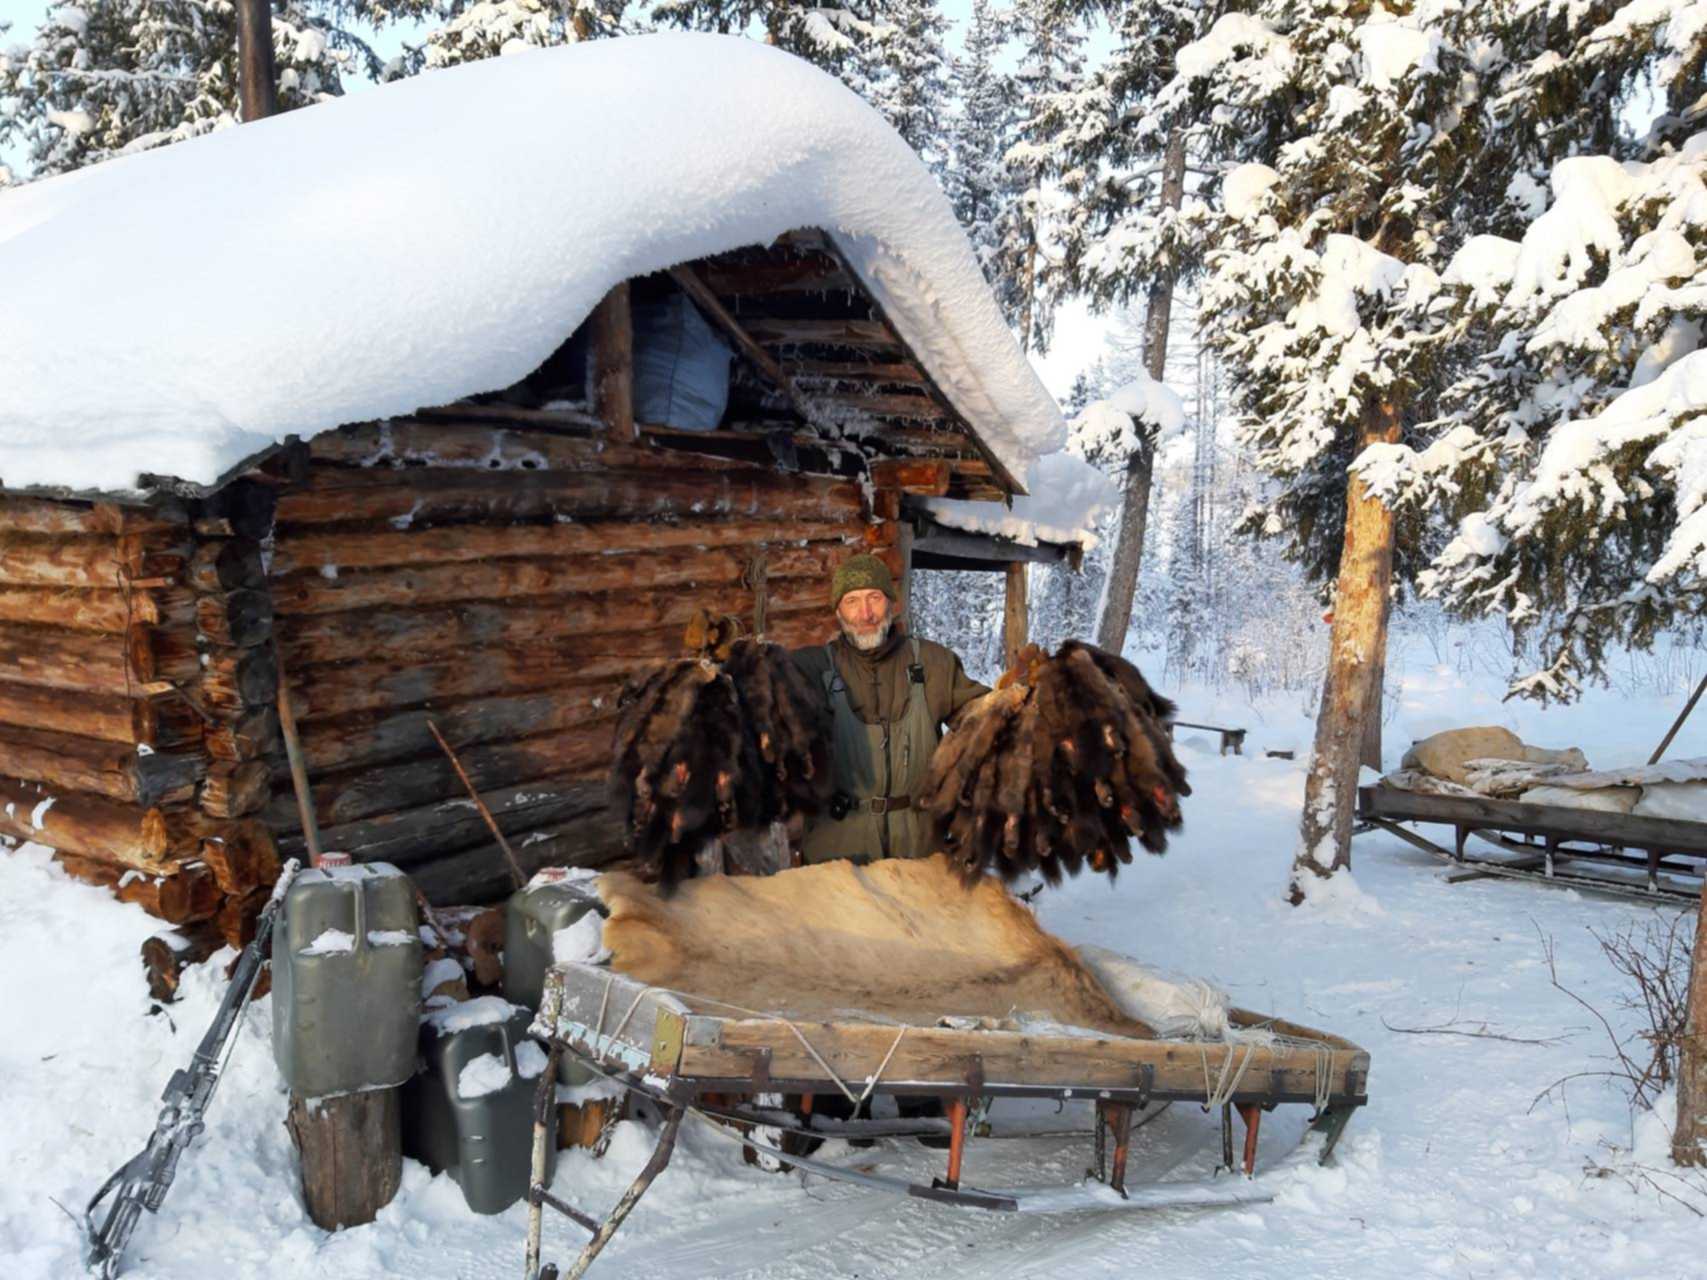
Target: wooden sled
x,y
1614,853
688,1058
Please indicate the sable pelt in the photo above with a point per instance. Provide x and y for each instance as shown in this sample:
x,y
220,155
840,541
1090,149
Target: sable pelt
x,y
902,940
1057,770
706,748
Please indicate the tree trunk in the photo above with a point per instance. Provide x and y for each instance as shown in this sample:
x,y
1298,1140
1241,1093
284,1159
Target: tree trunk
x,y
1355,659
1691,1132
1135,502
257,94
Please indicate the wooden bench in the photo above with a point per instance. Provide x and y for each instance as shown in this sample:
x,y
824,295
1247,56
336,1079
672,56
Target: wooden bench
x,y
1234,738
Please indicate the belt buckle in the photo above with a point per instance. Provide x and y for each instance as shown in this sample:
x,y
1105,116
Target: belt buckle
x,y
878,804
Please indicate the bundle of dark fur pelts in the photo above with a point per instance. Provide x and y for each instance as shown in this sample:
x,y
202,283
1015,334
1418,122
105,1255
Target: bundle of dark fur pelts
x,y
704,748
1057,769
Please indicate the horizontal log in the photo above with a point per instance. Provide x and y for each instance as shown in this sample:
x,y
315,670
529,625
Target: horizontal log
x,y
86,560
481,874
351,795
339,688
411,634
227,564
60,516
246,735
244,861
91,662
241,619
926,476
232,790
809,371
96,610
913,408
373,738
407,447
509,579
189,895
403,499
113,770
91,825
414,837
815,273
109,717
233,680
237,916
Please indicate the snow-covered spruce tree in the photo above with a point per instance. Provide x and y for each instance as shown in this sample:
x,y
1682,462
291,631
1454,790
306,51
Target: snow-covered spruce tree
x,y
108,77
1129,235
1363,133
471,30
981,131
1051,44
910,75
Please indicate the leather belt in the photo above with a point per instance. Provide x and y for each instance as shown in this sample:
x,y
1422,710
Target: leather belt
x,y
888,804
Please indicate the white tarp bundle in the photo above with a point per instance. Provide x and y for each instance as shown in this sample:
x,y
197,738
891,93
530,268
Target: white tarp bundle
x,y
177,311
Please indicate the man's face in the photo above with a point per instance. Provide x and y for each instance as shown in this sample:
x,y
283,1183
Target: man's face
x,y
865,617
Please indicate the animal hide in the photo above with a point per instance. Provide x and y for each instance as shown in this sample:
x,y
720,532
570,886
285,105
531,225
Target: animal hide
x,y
704,749
1057,770
898,940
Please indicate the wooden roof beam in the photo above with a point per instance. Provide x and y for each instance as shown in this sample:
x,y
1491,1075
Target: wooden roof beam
x,y
921,408
857,371
766,363
860,334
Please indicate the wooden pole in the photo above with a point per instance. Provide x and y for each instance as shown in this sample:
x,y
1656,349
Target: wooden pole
x,y
491,822
1014,615
613,364
257,92
1678,723
298,770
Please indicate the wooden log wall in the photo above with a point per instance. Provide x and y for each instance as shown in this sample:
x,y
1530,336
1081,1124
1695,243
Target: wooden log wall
x,y
503,582
103,704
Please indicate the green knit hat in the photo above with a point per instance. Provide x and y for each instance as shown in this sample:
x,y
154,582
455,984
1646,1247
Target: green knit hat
x,y
863,572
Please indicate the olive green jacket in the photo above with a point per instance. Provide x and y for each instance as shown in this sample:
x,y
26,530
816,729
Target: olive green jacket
x,y
889,757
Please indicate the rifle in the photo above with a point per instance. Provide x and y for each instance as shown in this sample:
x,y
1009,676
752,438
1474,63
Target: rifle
x,y
143,1180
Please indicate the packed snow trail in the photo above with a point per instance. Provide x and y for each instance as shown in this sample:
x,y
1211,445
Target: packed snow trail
x,y
1448,1172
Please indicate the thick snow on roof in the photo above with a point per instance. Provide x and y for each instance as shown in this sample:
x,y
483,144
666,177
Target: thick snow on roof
x,y
175,312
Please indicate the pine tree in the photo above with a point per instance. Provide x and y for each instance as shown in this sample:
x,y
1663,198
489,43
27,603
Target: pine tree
x,y
109,77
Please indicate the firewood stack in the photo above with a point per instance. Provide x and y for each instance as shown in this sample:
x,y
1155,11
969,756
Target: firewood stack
x,y
1057,770
105,614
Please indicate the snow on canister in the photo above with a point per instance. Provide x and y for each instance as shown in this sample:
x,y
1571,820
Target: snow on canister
x,y
175,312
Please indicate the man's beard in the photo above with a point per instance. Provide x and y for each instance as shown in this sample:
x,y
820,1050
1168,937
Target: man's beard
x,y
866,641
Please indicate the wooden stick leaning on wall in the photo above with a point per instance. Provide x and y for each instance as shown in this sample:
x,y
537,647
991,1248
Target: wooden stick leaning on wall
x,y
509,853
298,770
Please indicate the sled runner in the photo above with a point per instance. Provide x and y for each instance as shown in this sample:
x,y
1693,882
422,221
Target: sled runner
x,y
1623,854
737,1069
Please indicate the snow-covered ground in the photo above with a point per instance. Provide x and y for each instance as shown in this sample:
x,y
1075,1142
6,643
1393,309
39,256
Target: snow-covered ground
x,y
1454,1169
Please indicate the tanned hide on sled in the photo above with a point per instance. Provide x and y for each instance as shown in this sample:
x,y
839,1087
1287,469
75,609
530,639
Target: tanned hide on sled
x,y
907,941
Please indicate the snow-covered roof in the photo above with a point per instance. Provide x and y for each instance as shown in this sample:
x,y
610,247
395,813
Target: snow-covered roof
x,y
1065,497
177,312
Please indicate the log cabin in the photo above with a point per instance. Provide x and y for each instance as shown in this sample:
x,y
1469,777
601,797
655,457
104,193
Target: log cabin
x,y
457,509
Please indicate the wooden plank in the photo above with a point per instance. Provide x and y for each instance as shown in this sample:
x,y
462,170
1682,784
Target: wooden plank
x,y
812,273
876,371
925,477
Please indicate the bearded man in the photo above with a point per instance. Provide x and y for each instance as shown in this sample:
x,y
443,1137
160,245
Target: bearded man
x,y
889,694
